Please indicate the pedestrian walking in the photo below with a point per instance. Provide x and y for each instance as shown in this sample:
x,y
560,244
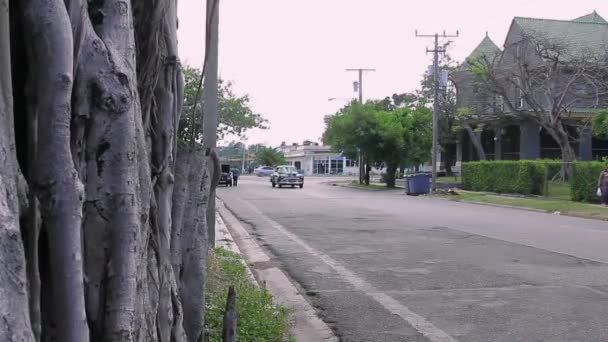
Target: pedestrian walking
x,y
602,186
235,176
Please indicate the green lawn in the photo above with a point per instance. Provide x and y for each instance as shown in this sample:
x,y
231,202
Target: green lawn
x,y
454,179
258,317
551,204
559,190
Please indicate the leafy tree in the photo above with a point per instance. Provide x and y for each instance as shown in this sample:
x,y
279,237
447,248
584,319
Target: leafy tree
x,y
600,124
234,113
353,130
269,156
389,138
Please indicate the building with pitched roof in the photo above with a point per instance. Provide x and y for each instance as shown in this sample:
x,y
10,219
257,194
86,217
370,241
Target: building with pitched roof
x,y
505,136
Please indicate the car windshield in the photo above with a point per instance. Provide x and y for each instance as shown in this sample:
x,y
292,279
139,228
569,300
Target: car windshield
x,y
286,169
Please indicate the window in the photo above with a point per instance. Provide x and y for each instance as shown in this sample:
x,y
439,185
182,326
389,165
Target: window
x,y
519,103
499,104
319,166
520,99
337,166
351,163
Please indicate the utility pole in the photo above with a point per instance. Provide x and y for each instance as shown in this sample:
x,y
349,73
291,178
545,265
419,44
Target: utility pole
x,y
436,51
244,155
360,89
210,103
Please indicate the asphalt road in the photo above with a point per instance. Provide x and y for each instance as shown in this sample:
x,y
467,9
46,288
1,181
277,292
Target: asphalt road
x,y
381,266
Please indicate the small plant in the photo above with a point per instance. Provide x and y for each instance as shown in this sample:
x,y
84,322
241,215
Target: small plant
x,y
258,317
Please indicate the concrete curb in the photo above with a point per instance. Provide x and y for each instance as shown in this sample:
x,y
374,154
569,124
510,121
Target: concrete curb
x,y
306,325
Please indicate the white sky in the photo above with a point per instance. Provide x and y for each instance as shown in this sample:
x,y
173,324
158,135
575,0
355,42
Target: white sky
x,y
290,55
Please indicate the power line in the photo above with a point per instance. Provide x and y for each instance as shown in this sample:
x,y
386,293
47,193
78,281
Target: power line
x,y
436,51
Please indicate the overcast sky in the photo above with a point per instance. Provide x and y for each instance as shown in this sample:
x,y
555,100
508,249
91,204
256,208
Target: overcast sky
x,y
290,55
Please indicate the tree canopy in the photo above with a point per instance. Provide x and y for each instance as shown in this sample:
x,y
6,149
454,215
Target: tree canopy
x,y
269,156
235,115
401,137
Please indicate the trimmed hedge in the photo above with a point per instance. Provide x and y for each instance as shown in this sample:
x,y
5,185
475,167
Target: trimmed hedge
x,y
514,177
583,185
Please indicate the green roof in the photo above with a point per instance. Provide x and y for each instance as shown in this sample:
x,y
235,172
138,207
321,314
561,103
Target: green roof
x,y
577,35
592,17
486,48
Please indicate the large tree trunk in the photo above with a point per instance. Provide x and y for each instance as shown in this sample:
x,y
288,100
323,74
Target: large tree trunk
x,y
56,182
561,136
391,169
475,140
14,308
120,227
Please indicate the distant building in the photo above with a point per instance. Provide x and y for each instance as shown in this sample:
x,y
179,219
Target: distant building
x,y
313,159
504,137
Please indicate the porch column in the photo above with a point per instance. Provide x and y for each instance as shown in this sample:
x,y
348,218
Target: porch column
x,y
478,137
585,145
529,141
459,148
498,143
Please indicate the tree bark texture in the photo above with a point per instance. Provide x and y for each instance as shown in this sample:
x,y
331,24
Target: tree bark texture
x,y
14,308
476,141
105,237
391,170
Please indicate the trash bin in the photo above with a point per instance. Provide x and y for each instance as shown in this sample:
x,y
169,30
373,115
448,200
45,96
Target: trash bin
x,y
418,184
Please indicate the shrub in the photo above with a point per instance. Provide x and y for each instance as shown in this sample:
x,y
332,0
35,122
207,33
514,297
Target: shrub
x,y
516,177
583,185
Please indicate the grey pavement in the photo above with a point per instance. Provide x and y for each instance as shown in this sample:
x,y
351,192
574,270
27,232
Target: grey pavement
x,y
382,266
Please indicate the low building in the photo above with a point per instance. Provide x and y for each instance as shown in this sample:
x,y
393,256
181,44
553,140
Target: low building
x,y
319,160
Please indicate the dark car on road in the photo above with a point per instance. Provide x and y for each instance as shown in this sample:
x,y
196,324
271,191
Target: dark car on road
x,y
226,176
287,175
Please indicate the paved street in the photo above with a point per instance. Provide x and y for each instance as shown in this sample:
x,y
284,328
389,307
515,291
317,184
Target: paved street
x,y
381,266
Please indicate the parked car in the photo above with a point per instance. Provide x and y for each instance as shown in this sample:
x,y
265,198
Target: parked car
x,y
287,175
263,171
226,176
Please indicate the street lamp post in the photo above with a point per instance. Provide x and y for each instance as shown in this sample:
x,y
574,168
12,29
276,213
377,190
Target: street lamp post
x,y
244,154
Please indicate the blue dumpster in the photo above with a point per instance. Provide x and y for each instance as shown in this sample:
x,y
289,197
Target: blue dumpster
x,y
418,184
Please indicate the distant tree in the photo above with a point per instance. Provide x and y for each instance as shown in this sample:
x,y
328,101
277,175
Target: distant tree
x,y
235,115
353,130
389,138
452,119
390,103
234,150
269,156
600,124
406,139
